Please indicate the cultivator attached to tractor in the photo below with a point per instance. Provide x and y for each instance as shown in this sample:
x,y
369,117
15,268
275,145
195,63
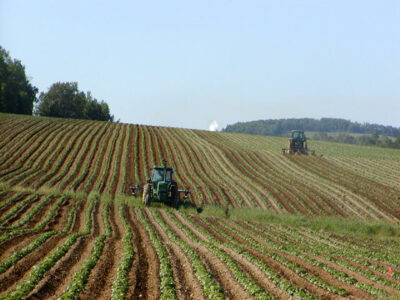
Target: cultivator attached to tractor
x,y
297,144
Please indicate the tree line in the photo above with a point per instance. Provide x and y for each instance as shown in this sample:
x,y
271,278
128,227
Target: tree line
x,y
283,126
63,99
372,134
373,139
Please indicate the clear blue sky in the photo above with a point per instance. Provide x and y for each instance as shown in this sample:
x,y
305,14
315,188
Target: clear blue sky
x,y
187,63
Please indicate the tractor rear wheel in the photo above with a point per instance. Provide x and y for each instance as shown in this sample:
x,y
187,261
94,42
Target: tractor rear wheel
x,y
146,195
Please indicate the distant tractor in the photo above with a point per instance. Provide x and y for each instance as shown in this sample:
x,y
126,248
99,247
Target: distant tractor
x,y
297,144
160,188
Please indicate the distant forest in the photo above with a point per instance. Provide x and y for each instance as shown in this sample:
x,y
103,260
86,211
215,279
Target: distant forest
x,y
373,134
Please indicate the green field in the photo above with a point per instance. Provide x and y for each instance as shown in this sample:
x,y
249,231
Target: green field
x,y
272,226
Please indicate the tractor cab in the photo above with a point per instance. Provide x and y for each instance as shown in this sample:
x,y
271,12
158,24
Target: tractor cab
x,y
298,135
162,174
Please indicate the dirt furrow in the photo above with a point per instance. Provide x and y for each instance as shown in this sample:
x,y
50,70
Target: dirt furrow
x,y
93,156
332,191
187,164
20,270
105,272
317,271
12,129
119,179
112,159
15,142
130,163
187,284
163,145
144,275
41,214
219,270
75,155
313,195
21,240
21,213
245,265
59,277
346,180
7,207
280,268
198,169
21,146
27,161
358,276
139,154
210,175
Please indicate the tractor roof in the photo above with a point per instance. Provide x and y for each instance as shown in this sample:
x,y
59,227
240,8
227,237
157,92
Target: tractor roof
x,y
162,167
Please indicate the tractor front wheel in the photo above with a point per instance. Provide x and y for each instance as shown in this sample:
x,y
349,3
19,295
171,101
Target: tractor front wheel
x,y
146,195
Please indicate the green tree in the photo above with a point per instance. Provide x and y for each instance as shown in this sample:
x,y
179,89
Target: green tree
x,y
97,110
17,94
64,100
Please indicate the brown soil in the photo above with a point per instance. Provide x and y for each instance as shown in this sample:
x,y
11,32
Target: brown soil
x,y
206,171
365,268
8,247
41,214
92,156
18,128
189,168
286,272
144,275
12,154
76,155
359,277
258,275
353,182
209,229
119,182
61,215
28,157
60,276
52,164
187,284
138,154
240,164
324,275
9,206
148,163
105,181
104,273
19,271
130,166
232,289
197,165
98,158
313,195
21,213
53,154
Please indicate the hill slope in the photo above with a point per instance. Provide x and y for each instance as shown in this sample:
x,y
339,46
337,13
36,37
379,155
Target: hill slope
x,y
68,231
219,168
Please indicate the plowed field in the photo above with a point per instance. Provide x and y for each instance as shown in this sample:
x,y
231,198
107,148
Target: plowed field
x,y
69,229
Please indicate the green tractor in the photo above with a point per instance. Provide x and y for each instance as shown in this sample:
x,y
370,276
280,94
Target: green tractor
x,y
297,144
160,188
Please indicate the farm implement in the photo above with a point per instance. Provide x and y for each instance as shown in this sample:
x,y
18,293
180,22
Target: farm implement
x,y
297,144
160,188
